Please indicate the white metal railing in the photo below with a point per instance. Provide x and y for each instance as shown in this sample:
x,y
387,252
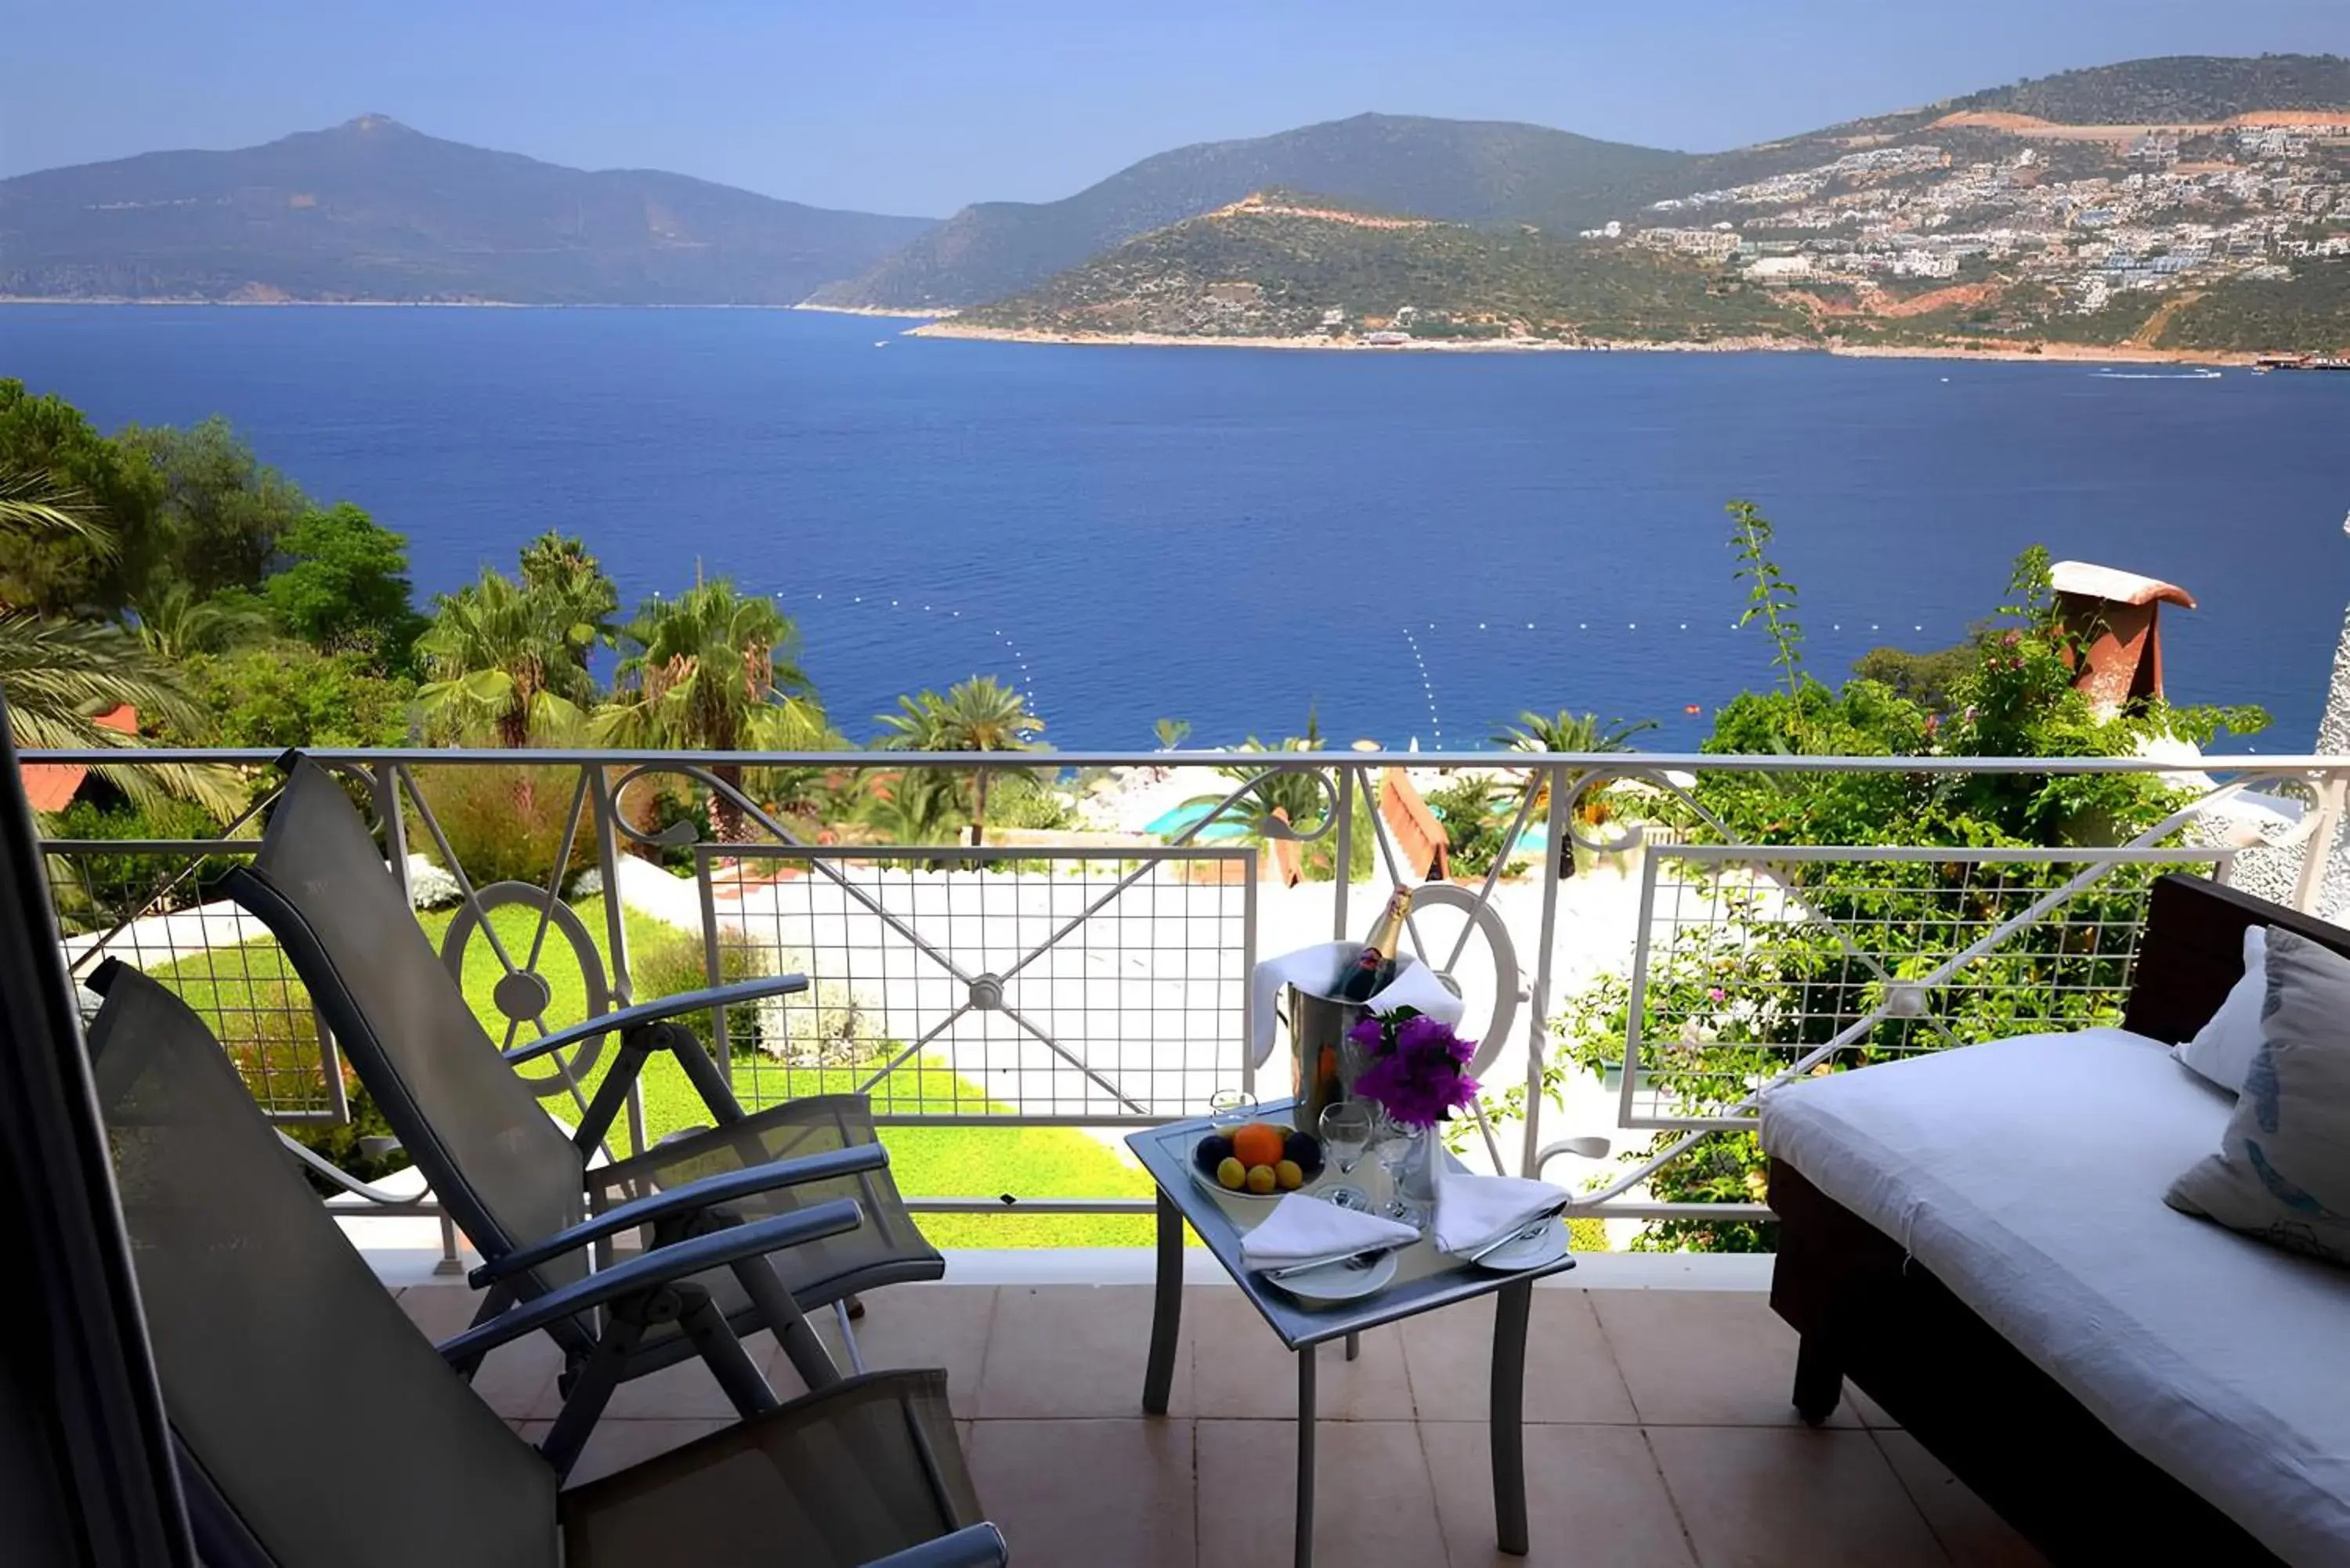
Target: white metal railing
x,y
1101,983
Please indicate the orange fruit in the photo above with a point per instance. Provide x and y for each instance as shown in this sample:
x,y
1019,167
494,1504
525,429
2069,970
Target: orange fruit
x,y
1259,1142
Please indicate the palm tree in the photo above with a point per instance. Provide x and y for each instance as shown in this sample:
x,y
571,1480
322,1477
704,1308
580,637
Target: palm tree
x,y
1566,731
511,658
980,714
913,805
29,502
59,676
175,622
711,670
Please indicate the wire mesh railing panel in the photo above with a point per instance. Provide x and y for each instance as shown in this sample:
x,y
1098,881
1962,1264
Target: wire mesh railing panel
x,y
140,903
1757,964
1046,984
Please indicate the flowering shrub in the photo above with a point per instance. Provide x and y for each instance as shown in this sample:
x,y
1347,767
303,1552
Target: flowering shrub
x,y
1760,967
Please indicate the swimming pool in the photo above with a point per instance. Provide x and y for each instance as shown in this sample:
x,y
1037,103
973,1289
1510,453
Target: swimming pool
x,y
1233,823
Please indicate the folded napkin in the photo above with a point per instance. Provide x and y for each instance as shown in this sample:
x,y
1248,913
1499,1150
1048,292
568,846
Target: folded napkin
x,y
1316,971
1303,1227
1472,1210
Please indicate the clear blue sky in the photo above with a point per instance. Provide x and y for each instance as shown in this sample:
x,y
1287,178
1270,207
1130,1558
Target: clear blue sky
x,y
911,107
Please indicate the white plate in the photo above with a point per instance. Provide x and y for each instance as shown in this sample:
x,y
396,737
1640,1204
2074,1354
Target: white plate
x,y
1337,1282
1547,1247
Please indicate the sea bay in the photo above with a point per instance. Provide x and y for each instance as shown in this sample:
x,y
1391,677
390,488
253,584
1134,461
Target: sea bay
x,y
1415,545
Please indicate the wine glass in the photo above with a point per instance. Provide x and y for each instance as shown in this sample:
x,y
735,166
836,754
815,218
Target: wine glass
x,y
1227,1108
1391,1143
1346,1129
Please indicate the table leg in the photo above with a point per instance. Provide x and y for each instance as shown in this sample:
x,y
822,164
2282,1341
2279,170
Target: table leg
x,y
1305,1359
1166,1309
1512,1307
1354,1345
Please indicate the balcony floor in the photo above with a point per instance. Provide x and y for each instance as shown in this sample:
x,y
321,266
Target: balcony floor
x,y
1658,1432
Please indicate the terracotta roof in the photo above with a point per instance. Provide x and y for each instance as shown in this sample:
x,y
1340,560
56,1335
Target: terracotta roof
x,y
51,787
2116,587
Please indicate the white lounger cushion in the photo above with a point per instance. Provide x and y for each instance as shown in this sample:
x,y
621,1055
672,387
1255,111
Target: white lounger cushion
x,y
2027,1175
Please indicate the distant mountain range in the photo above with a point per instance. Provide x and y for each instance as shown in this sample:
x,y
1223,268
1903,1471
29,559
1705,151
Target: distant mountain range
x,y
372,210
1473,171
1864,217
1498,173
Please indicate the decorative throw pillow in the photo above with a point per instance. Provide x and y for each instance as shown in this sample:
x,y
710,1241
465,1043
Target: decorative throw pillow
x,y
2283,1172
2223,1048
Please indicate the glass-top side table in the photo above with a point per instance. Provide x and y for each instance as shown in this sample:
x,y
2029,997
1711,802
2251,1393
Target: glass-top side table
x,y
1424,1281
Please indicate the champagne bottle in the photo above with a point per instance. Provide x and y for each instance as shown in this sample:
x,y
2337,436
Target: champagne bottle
x,y
1376,964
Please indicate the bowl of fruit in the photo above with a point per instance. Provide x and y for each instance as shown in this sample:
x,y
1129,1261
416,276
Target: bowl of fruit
x,y
1261,1160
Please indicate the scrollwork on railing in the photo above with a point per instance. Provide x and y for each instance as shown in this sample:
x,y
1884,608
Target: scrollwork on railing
x,y
1269,826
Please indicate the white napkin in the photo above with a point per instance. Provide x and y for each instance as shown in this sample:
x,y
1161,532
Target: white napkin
x,y
1303,1227
1317,970
1472,1210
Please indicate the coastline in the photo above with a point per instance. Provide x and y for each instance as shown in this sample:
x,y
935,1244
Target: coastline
x,y
894,313
2073,353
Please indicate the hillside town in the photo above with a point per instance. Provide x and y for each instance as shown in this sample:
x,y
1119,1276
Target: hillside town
x,y
2093,213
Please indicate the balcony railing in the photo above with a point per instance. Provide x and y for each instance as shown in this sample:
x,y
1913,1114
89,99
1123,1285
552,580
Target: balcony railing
x,y
1627,937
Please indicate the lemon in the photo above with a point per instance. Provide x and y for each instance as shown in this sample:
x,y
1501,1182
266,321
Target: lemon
x,y
1290,1174
1260,1178
1232,1173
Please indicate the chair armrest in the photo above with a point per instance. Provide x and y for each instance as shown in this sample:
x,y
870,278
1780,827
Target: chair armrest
x,y
709,1192
678,1261
972,1546
659,1010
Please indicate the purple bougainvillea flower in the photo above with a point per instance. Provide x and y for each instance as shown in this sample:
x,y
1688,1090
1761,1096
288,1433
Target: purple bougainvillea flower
x,y
1415,1070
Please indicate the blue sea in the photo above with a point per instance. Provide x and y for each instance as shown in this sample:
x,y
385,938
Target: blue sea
x,y
1413,547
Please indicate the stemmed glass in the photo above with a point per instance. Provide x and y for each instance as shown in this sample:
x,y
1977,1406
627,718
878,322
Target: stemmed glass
x,y
1346,1129
1227,1108
1391,1143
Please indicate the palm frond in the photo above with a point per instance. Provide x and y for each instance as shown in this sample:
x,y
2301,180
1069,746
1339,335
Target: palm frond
x,y
32,503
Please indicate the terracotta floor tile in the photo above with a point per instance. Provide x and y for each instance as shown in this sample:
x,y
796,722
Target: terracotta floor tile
x,y
440,1311
1594,1497
910,1326
1072,1351
1758,1496
1968,1531
1570,1373
1374,1504
1714,1358
1239,1370
1090,1493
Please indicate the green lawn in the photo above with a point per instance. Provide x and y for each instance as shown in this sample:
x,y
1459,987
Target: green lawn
x,y
248,991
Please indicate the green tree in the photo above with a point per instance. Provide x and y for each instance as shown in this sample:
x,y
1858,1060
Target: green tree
x,y
345,586
289,693
711,670
220,513
978,714
511,658
1171,733
1925,679
48,448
